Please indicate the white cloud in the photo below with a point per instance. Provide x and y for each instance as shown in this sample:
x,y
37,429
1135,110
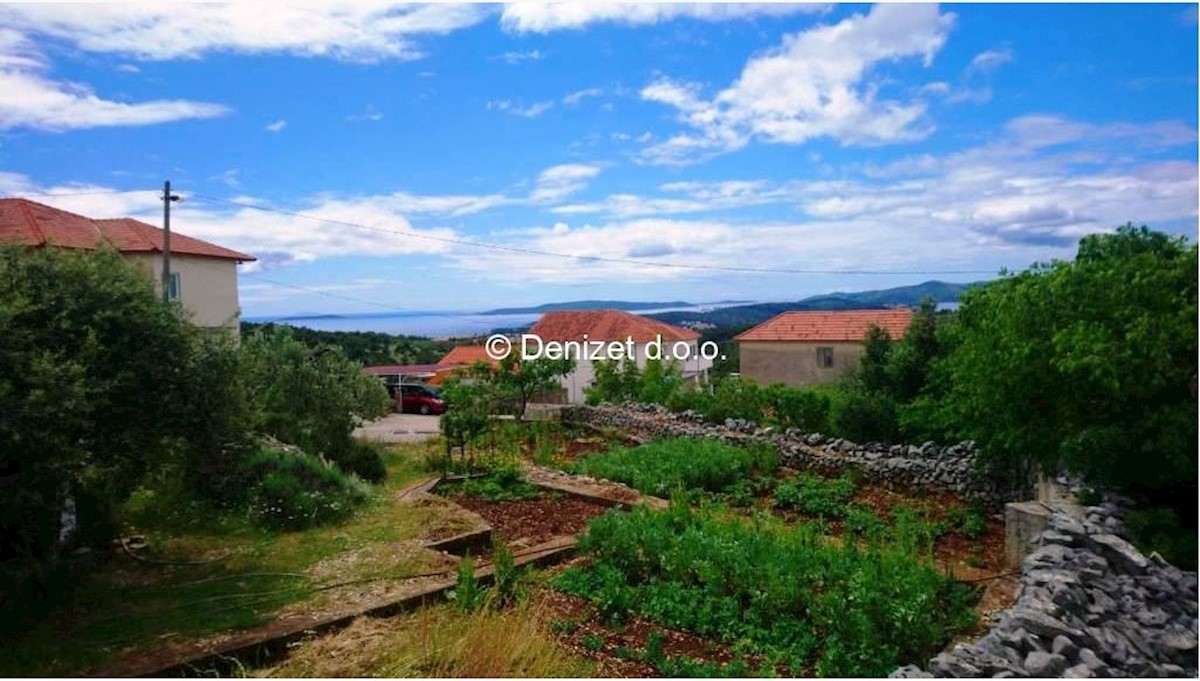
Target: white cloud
x,y
369,114
32,99
128,68
350,31
574,98
276,126
991,59
558,182
516,57
543,17
815,84
532,111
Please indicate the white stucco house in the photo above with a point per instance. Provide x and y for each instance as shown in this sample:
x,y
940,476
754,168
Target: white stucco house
x,y
203,274
620,326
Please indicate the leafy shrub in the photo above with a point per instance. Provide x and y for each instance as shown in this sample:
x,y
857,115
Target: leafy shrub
x,y
796,408
295,490
660,467
864,416
752,584
365,460
862,521
816,496
503,483
310,399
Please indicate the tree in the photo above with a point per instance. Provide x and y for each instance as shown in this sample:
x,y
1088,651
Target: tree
x,y
311,399
519,381
1087,366
92,374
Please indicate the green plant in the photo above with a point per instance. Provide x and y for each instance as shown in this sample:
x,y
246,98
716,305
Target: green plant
x,y
660,467
467,594
508,580
862,521
974,522
816,496
503,483
294,490
311,399
592,642
752,584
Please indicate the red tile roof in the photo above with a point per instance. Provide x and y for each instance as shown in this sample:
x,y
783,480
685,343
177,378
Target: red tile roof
x,y
843,326
606,325
466,355
29,223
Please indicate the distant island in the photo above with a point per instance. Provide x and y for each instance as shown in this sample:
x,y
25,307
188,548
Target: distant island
x,y
588,305
749,315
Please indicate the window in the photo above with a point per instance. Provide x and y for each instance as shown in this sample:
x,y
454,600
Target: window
x,y
824,357
175,287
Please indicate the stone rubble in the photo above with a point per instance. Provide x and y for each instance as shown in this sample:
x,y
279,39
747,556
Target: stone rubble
x,y
1089,605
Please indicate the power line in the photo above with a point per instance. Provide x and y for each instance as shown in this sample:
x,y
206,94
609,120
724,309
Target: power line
x,y
24,195
327,294
571,256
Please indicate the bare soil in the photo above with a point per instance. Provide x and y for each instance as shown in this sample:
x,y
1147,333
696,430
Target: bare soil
x,y
532,521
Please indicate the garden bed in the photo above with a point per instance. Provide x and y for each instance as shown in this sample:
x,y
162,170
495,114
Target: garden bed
x,y
525,522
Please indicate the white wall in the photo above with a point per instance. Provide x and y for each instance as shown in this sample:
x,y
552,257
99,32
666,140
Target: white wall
x,y
584,374
208,286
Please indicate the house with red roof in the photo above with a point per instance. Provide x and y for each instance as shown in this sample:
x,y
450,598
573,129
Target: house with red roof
x,y
617,325
203,274
804,348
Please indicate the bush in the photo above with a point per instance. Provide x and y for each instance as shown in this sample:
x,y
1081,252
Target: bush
x,y
365,460
310,399
752,584
295,490
816,496
661,467
864,417
503,483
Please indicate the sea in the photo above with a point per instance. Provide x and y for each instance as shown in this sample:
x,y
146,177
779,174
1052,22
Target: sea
x,y
428,324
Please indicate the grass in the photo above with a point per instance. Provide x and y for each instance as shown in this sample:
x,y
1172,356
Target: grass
x,y
247,576
663,467
439,641
787,594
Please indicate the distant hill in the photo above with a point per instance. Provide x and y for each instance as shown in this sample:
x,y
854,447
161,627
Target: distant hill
x,y
749,315
588,305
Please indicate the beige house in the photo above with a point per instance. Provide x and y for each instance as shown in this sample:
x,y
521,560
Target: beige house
x,y
203,275
617,325
805,348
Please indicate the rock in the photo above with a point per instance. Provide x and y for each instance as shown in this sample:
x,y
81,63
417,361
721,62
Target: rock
x,y
1089,658
1061,645
1043,664
910,671
1079,671
1120,553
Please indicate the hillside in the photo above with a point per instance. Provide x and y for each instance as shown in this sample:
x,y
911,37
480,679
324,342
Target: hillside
x,y
756,313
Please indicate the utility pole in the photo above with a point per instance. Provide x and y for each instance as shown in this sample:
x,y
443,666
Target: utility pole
x,y
167,198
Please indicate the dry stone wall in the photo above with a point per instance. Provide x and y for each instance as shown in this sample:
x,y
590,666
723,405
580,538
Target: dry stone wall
x,y
1089,605
911,467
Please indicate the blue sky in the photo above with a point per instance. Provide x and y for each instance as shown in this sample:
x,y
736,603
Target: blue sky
x,y
916,141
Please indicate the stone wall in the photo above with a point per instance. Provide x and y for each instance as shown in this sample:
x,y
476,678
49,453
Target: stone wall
x,y
907,467
1089,605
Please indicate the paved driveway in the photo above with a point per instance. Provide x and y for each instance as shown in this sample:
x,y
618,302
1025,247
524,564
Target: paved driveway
x,y
400,428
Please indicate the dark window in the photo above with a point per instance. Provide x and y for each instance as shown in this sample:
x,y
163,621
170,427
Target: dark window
x,y
824,357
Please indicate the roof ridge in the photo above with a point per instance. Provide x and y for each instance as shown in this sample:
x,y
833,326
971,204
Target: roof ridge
x,y
23,203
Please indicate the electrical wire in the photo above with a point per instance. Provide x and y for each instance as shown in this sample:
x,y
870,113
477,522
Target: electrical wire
x,y
25,195
327,294
572,256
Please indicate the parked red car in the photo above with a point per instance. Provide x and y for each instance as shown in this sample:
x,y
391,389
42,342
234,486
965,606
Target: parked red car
x,y
418,399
